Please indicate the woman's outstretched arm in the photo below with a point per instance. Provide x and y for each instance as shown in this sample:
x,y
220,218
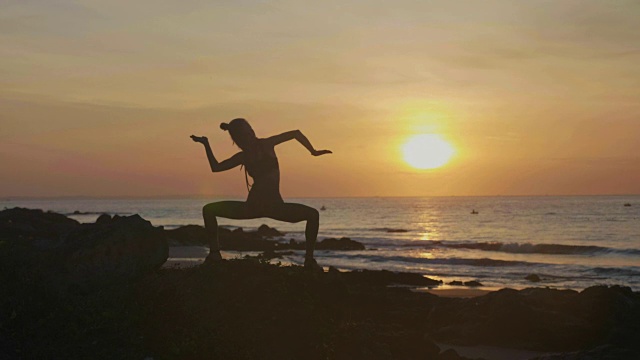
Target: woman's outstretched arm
x,y
216,166
298,135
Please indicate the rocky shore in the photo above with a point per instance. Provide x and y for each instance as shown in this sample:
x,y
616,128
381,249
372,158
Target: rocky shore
x,y
70,290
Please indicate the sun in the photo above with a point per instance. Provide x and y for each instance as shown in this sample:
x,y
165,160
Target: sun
x,y
427,151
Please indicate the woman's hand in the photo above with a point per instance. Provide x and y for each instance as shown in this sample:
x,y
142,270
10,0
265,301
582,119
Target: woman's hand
x,y
320,152
200,139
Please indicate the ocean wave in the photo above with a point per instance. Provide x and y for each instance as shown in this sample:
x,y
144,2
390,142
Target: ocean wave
x,y
484,262
616,271
528,248
390,230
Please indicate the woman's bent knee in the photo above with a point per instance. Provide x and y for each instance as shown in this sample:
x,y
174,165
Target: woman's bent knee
x,y
314,215
210,210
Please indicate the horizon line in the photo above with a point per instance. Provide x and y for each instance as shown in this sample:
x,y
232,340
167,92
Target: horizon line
x,y
133,197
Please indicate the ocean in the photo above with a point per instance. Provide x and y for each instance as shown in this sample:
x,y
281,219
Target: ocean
x,y
570,242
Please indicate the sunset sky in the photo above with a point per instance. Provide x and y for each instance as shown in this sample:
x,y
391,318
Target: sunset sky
x,y
98,98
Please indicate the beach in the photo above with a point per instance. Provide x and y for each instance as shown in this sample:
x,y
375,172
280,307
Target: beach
x,y
115,288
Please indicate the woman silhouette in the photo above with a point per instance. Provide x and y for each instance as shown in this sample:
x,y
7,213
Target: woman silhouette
x,y
261,163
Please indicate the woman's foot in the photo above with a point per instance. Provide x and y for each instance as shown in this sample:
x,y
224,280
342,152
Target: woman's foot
x,y
312,266
213,258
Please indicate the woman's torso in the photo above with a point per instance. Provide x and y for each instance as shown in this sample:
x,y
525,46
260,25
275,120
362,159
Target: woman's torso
x,y
262,165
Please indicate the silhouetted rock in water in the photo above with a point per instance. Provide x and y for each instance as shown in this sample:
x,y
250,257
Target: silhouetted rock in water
x,y
267,231
472,283
397,230
241,240
533,278
189,235
339,244
236,239
385,277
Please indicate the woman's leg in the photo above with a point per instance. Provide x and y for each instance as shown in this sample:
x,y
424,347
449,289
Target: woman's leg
x,y
293,213
225,209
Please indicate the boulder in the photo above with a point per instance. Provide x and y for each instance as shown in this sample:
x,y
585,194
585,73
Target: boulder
x,y
103,219
188,235
29,224
339,244
533,278
541,319
266,231
124,247
61,253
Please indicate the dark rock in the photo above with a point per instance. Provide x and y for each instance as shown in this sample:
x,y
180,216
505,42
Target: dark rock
x,y
124,247
103,219
28,224
472,283
455,283
189,235
385,277
237,231
541,319
63,253
241,240
339,244
397,230
533,278
271,254
267,231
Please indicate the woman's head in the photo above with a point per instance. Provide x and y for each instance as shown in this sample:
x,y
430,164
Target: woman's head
x,y
240,131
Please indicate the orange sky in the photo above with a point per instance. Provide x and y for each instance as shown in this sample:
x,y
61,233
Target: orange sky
x,y
99,98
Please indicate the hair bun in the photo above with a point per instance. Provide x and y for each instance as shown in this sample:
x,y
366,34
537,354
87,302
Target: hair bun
x,y
224,126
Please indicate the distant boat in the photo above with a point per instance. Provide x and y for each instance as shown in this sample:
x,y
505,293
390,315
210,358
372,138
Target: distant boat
x,y
323,208
474,212
627,204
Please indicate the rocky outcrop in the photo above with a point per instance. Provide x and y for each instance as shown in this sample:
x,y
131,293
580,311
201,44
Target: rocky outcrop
x,y
258,240
267,231
69,253
472,283
540,319
533,278
34,225
119,247
339,244
386,278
